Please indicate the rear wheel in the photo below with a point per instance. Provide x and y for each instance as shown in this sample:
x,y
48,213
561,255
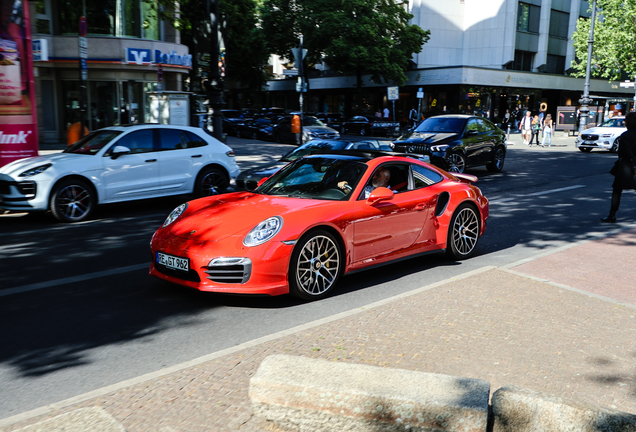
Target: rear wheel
x,y
585,149
456,163
72,200
211,181
315,266
497,160
463,233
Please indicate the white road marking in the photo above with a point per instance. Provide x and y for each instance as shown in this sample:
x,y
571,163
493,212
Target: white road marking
x,y
555,190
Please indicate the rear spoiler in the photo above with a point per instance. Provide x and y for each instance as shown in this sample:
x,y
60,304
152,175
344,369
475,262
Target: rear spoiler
x,y
466,178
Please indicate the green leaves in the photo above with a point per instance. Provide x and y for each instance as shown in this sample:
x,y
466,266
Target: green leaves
x,y
614,41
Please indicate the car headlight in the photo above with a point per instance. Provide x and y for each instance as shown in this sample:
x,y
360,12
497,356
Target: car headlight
x,y
264,231
35,171
607,135
175,214
439,148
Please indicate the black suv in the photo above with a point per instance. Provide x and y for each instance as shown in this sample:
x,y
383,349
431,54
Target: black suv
x,y
456,142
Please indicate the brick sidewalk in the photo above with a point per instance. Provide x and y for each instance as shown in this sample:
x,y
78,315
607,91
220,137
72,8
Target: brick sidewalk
x,y
533,325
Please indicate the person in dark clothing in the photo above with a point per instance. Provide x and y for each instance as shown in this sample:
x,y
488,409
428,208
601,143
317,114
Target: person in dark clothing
x,y
624,169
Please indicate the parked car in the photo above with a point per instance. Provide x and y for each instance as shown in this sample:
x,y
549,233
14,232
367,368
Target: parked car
x,y
115,164
312,222
312,129
457,142
248,179
334,121
372,126
260,129
602,136
231,120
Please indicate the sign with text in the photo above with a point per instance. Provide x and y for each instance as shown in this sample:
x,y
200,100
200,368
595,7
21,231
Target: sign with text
x,y
18,121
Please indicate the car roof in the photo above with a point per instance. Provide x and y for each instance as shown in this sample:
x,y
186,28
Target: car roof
x,y
364,154
129,127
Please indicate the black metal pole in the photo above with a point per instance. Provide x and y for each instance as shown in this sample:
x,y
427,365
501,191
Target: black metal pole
x,y
215,84
585,101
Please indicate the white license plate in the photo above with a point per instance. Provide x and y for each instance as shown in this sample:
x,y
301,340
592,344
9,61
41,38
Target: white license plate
x,y
590,142
173,262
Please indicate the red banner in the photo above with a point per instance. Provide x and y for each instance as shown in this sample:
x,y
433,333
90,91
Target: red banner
x,y
18,121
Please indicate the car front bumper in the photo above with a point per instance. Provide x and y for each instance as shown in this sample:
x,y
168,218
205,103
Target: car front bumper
x,y
601,143
23,195
264,267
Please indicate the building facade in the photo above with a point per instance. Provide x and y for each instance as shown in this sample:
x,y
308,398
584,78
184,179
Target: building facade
x,y
129,49
483,57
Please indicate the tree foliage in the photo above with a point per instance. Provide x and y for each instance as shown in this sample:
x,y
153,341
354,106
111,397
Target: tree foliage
x,y
245,47
353,37
614,48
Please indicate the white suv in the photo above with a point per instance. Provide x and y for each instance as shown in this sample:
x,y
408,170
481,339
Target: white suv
x,y
602,137
119,163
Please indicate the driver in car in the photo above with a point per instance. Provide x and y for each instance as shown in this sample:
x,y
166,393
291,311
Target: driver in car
x,y
380,179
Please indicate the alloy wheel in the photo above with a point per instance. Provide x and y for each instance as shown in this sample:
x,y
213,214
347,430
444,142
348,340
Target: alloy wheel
x,y
465,231
318,265
456,163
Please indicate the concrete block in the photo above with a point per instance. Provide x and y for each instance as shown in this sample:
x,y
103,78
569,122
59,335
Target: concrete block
x,y
522,410
308,395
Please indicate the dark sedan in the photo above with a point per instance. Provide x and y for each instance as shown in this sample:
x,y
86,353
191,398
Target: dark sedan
x,y
312,129
457,142
248,179
374,126
260,129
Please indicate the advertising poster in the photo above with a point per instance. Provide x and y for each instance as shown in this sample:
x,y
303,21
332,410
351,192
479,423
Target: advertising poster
x,y
18,123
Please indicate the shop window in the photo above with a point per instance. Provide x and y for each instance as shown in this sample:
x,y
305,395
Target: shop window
x,y
559,22
528,18
103,104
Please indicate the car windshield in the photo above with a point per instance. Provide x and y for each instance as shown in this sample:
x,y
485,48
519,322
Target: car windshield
x,y
614,122
442,124
93,143
307,148
316,177
312,121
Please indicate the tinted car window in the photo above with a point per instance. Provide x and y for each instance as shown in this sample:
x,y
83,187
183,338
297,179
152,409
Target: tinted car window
x,y
442,124
485,125
193,140
92,143
473,125
171,139
138,142
423,177
312,121
307,148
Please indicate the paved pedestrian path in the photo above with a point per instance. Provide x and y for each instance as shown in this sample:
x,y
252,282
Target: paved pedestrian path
x,y
562,323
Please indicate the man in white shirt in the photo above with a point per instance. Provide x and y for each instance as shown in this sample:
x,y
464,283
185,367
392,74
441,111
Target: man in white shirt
x,y
526,127
387,113
380,179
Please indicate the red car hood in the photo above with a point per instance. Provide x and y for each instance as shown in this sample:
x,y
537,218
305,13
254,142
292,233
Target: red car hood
x,y
215,218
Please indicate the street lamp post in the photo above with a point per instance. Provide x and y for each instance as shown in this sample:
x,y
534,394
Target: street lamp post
x,y
215,83
585,101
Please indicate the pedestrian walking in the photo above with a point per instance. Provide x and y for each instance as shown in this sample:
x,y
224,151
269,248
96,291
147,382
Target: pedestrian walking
x,y
624,169
548,124
517,115
387,113
413,117
506,120
536,128
525,125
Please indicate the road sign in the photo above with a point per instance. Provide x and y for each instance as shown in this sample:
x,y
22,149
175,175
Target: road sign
x,y
83,27
393,93
83,47
420,93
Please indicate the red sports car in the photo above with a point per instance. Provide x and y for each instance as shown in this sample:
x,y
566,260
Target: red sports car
x,y
317,218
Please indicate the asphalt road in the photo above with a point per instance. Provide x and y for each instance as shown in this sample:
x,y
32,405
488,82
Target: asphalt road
x,y
79,312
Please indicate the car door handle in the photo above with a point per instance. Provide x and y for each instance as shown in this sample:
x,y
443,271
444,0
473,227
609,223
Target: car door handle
x,y
151,160
196,156
421,206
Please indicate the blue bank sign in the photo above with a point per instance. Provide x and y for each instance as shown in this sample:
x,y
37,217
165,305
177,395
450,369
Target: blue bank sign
x,y
142,56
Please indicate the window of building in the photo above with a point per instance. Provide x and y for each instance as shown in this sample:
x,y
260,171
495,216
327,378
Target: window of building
x,y
555,64
559,22
42,16
522,62
121,18
528,18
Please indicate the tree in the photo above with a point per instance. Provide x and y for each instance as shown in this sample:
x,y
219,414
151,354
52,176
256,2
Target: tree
x,y
354,37
245,51
613,55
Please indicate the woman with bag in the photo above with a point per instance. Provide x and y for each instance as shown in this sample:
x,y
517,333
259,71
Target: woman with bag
x,y
536,128
624,168
547,131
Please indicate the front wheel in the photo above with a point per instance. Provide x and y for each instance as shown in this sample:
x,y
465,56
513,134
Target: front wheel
x,y
614,148
456,163
210,181
315,266
585,149
463,233
72,201
497,160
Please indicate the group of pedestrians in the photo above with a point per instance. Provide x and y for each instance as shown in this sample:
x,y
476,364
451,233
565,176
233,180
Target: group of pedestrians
x,y
530,128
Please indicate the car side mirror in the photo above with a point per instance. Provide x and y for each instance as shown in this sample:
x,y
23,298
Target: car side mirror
x,y
380,194
119,151
261,181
